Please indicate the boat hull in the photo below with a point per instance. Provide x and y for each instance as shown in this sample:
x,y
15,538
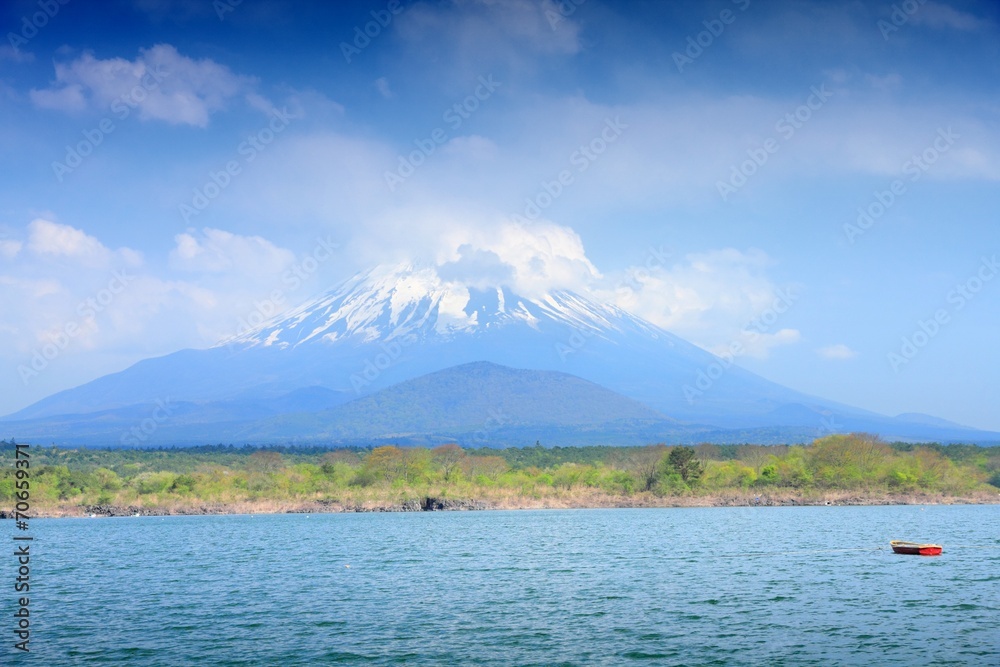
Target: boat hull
x,y
915,549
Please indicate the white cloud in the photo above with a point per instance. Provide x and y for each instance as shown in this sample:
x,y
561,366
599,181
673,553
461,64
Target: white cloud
x,y
53,239
713,299
218,251
160,83
542,257
838,352
68,98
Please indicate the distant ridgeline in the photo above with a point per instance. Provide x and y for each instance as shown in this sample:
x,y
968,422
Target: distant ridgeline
x,y
224,474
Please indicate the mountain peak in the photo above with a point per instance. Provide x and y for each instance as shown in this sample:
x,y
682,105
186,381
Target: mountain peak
x,y
406,300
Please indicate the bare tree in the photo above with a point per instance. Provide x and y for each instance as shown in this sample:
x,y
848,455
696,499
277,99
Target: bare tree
x,y
490,467
348,456
265,461
448,459
706,451
644,463
754,456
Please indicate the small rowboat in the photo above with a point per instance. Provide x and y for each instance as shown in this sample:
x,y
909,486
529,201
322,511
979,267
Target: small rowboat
x,y
915,549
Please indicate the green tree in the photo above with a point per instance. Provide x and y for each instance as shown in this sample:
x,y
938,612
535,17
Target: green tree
x,y
683,461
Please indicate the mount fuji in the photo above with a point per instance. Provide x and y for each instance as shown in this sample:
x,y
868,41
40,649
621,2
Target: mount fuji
x,y
394,354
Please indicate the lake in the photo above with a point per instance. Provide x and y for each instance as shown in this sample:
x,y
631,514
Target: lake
x,y
694,586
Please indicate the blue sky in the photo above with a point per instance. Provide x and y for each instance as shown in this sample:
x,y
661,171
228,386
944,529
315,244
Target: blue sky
x,y
167,164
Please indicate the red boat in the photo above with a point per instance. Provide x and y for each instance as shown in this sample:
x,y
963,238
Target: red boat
x,y
915,549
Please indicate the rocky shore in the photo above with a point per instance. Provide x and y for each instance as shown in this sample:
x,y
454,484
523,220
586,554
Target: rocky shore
x,y
426,504
510,502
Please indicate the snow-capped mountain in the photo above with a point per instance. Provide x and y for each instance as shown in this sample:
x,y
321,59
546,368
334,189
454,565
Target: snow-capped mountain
x,y
395,324
406,302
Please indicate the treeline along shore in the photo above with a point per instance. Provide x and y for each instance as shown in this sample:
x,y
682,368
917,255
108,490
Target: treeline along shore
x,y
222,479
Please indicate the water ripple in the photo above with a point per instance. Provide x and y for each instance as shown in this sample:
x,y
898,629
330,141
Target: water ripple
x,y
601,587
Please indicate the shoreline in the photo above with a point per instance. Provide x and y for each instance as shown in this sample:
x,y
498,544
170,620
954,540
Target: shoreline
x,y
439,504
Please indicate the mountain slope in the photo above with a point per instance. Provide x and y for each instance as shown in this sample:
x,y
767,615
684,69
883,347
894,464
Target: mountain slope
x,y
394,324
470,398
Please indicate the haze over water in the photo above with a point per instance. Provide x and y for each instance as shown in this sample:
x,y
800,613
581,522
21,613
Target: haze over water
x,y
726,586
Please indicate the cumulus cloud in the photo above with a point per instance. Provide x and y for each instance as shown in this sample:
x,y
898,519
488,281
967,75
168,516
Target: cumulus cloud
x,y
55,240
160,83
477,268
218,251
713,299
532,258
51,238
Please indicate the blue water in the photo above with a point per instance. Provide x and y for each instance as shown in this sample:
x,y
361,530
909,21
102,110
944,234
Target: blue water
x,y
713,586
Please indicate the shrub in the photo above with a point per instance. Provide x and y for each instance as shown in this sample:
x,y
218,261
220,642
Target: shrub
x,y
153,482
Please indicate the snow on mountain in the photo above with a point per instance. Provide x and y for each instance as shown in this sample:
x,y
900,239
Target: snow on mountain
x,y
390,303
